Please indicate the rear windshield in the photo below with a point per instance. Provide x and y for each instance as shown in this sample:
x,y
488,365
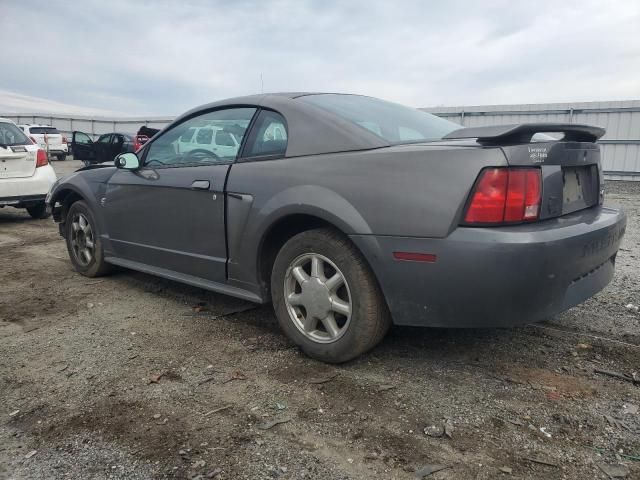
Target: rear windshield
x,y
41,130
394,123
10,134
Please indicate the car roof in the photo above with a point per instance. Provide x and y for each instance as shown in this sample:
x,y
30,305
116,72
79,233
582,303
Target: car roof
x,y
311,129
7,120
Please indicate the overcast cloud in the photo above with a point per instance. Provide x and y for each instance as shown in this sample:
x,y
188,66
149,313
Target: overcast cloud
x,y
163,57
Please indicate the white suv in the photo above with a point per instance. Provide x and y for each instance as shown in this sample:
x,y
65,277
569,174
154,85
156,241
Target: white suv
x,y
25,173
209,138
49,139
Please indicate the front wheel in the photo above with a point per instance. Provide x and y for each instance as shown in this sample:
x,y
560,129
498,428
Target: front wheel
x,y
326,298
83,241
61,157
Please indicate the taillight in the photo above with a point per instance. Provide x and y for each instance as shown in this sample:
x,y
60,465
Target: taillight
x,y
505,195
64,139
41,158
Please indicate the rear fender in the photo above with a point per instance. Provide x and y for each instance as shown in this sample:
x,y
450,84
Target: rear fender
x,y
247,227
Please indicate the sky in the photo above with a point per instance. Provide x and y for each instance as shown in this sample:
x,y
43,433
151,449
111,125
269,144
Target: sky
x,y
135,58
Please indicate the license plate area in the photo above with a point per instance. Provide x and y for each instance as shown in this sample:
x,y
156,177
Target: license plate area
x,y
580,188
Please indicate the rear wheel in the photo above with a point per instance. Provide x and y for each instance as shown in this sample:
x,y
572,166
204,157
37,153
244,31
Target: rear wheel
x,y
38,210
326,298
83,241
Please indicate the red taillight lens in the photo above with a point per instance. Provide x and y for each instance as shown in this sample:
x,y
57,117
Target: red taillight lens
x,y
41,158
505,195
64,139
488,200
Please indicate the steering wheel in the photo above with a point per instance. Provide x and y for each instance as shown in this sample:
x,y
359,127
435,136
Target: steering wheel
x,y
201,155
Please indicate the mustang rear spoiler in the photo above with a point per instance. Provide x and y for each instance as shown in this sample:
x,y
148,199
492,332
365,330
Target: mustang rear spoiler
x,y
523,132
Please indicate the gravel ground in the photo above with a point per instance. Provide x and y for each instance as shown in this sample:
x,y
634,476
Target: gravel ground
x,y
130,376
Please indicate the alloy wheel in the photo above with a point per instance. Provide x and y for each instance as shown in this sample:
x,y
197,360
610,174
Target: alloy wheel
x,y
82,240
318,298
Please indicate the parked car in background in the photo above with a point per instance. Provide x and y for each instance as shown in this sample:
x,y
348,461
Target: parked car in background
x,y
105,148
350,213
25,173
147,131
48,138
209,139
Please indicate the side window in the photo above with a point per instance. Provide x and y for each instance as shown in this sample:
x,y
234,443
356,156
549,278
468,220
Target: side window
x,y
104,138
187,135
268,136
191,142
82,138
224,139
205,135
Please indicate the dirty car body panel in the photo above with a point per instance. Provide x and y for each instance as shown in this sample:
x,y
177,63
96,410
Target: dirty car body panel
x,y
402,204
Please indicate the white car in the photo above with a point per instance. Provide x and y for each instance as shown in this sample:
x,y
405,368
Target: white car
x,y
209,138
25,173
49,139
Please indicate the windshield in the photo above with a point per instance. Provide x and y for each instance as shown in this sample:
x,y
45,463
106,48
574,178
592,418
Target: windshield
x,y
12,135
41,130
394,123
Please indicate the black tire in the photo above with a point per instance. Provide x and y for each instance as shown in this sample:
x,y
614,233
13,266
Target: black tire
x,y
39,210
62,157
369,320
96,267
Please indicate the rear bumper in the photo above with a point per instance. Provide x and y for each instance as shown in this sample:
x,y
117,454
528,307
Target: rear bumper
x,y
54,149
36,185
58,150
21,201
496,277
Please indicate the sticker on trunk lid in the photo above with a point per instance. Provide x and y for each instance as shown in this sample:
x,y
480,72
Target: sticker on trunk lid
x,y
18,148
538,154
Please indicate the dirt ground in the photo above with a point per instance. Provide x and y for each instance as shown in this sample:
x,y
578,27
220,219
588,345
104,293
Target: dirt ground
x,y
130,376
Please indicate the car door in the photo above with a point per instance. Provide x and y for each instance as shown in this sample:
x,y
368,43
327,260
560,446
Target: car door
x,y
117,145
102,148
82,147
170,213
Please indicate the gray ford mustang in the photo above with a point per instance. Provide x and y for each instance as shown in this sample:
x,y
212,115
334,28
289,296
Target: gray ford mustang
x,y
351,213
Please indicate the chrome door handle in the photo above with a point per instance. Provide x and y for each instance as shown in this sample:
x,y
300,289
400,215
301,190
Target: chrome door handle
x,y
200,185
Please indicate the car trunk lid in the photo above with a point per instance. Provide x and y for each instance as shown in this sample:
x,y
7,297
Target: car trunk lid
x,y
17,162
570,166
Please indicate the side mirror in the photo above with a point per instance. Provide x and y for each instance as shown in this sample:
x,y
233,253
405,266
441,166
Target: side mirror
x,y
127,161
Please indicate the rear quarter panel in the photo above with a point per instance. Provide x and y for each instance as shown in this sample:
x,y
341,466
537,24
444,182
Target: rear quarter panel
x,y
410,190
